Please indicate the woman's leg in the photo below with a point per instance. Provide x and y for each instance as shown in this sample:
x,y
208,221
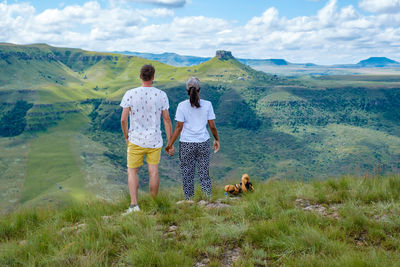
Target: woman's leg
x,y
187,165
203,165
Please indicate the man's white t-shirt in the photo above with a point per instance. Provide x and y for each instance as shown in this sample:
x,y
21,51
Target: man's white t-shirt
x,y
147,104
194,121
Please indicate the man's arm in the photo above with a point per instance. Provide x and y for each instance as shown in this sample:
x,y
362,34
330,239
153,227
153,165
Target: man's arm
x,y
213,129
124,123
167,124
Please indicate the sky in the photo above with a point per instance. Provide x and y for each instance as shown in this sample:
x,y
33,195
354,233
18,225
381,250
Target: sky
x,y
300,31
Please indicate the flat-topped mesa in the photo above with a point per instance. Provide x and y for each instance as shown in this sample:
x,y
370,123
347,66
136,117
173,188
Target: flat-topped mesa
x,y
224,55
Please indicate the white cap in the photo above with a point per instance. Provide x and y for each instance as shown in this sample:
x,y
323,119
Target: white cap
x,y
193,82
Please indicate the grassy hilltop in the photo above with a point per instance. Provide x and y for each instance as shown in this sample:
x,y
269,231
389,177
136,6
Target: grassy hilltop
x,y
270,126
342,222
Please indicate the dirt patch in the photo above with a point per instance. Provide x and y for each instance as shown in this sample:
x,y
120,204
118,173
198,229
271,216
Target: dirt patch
x,y
326,211
22,243
188,202
361,239
382,218
106,218
171,232
77,228
212,205
229,257
204,262
206,204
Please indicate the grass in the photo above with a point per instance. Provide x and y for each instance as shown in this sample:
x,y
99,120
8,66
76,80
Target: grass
x,y
53,171
266,227
13,159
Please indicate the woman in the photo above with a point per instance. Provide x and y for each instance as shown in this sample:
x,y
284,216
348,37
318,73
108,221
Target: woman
x,y
192,117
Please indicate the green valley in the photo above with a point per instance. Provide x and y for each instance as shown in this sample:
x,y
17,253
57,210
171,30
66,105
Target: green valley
x,y
272,127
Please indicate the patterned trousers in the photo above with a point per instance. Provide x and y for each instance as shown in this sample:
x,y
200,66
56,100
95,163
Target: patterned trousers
x,y
190,155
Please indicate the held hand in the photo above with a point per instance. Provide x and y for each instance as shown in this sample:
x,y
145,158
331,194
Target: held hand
x,y
216,146
170,150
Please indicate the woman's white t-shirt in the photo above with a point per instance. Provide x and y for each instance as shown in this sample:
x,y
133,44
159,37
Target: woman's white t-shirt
x,y
194,120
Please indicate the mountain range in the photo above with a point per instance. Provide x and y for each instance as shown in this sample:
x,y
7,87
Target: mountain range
x,y
181,60
61,137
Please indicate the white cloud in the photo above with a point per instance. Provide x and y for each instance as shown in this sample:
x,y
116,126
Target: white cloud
x,y
332,35
327,15
166,3
58,26
380,6
269,18
13,17
196,26
156,12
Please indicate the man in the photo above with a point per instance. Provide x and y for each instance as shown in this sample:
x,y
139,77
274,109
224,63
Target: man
x,y
144,105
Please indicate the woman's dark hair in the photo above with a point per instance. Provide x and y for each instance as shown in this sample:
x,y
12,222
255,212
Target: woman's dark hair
x,y
147,72
193,93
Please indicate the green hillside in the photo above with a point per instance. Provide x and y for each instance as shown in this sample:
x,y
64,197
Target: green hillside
x,y
270,127
338,222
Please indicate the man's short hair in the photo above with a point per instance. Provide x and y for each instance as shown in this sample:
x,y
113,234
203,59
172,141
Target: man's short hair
x,y
147,72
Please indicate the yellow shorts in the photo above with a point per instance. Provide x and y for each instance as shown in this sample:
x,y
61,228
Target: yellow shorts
x,y
135,155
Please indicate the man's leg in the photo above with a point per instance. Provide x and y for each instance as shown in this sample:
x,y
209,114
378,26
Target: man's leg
x,y
153,181
133,184
153,157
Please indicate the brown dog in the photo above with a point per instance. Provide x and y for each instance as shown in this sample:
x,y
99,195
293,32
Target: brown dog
x,y
244,186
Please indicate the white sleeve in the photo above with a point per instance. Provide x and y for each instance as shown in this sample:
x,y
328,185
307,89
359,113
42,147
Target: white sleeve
x,y
179,116
125,102
210,114
165,102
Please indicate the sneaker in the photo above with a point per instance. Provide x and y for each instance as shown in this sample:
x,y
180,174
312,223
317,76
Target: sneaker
x,y
132,208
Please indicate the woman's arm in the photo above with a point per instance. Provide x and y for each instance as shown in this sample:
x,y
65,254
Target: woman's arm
x,y
213,129
177,132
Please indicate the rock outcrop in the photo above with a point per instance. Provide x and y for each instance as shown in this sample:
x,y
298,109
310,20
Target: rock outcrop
x,y
224,55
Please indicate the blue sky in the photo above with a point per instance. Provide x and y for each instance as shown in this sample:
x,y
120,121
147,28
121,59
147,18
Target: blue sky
x,y
240,11
320,31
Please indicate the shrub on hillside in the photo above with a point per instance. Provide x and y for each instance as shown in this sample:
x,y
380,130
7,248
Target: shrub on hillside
x,y
244,117
13,123
112,121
